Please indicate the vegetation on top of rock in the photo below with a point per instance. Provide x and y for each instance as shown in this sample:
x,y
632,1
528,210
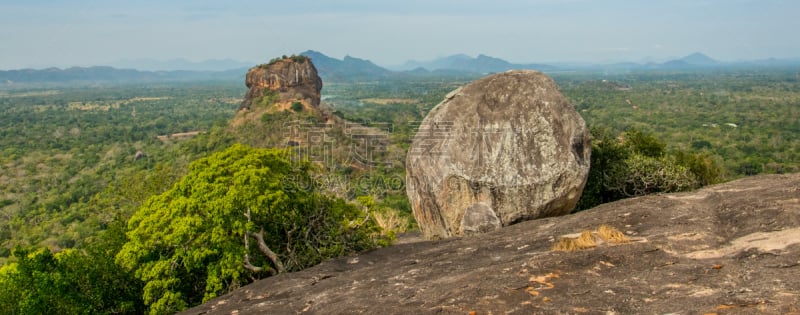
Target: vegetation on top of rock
x,y
297,107
268,97
295,58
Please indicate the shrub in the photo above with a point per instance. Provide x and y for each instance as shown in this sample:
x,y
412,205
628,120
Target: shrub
x,y
636,163
268,97
641,175
297,107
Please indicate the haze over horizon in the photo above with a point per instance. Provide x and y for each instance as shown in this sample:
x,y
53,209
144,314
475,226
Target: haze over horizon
x,y
45,33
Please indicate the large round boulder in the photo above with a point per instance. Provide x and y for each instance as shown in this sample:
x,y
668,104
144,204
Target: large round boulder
x,y
501,150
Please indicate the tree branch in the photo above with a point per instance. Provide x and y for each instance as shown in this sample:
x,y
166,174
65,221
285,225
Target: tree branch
x,y
262,246
254,269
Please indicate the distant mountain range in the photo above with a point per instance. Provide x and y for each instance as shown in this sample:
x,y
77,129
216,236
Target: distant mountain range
x,y
695,61
347,69
467,64
356,69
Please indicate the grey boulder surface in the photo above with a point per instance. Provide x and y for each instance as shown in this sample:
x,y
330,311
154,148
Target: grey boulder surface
x,y
504,149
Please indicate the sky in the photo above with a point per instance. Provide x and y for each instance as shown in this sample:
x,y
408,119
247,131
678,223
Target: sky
x,y
61,33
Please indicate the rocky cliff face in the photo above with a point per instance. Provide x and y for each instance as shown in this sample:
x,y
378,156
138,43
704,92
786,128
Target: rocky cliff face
x,y
732,248
282,108
293,79
503,149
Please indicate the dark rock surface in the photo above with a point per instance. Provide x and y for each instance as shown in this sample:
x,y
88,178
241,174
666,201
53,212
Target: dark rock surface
x,y
732,248
293,78
503,149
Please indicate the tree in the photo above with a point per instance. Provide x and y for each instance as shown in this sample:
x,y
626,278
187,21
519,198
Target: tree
x,y
297,107
239,215
636,163
644,144
702,165
607,155
70,282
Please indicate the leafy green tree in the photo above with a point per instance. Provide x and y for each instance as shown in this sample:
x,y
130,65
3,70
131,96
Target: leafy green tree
x,y
239,215
643,144
702,165
69,282
607,155
749,167
10,293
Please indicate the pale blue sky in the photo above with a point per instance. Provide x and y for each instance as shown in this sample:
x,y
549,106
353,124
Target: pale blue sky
x,y
40,33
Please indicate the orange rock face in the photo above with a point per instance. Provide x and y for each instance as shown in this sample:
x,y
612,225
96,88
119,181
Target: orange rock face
x,y
292,79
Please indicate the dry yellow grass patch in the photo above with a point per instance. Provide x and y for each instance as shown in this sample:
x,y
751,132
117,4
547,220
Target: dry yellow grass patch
x,y
567,244
391,220
587,239
611,234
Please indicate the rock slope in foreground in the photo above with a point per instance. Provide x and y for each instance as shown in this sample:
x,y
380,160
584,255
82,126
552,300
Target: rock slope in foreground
x,y
732,248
